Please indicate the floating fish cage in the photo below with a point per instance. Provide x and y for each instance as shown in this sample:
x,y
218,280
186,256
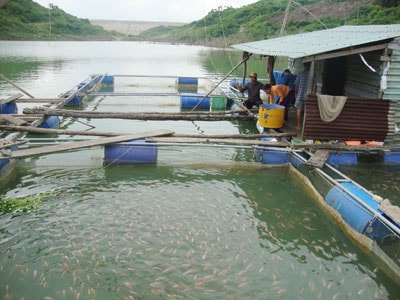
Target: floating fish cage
x,y
131,152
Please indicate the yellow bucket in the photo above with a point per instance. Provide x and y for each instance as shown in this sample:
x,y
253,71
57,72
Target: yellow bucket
x,y
271,115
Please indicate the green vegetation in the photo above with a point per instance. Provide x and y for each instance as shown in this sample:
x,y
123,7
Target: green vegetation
x,y
23,204
264,19
27,20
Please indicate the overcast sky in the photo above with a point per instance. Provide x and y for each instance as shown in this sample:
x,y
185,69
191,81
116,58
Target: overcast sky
x,y
143,10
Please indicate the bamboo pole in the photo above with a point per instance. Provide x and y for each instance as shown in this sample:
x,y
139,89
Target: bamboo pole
x,y
226,76
222,141
134,116
16,86
31,129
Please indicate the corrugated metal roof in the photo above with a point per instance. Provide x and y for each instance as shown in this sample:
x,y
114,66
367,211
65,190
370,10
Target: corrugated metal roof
x,y
321,41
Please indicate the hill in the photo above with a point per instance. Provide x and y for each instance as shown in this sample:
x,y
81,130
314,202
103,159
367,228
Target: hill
x,y
27,20
264,19
131,27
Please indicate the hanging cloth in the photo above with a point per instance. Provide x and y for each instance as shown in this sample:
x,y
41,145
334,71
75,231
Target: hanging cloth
x,y
330,107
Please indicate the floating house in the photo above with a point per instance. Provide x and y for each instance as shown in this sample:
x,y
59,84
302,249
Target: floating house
x,y
361,63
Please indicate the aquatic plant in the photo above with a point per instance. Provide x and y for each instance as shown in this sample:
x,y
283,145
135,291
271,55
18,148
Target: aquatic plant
x,y
23,204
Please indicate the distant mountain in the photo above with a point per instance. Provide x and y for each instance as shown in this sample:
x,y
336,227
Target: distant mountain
x,y
132,27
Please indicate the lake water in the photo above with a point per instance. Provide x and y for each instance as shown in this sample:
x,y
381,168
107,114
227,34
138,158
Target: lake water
x,y
205,222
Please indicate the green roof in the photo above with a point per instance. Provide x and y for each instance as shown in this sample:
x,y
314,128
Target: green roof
x,y
321,41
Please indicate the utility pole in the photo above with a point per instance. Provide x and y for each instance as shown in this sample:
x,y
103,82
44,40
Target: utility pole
x,y
285,18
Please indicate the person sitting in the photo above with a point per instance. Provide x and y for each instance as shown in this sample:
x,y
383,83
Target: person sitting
x,y
284,94
253,87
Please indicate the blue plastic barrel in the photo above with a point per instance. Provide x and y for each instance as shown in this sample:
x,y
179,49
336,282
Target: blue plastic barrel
x,y
345,158
190,101
9,108
355,215
108,80
392,157
283,78
75,101
131,152
188,81
271,157
50,122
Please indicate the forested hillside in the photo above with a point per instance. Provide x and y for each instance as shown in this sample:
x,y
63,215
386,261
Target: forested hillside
x,y
264,19
27,20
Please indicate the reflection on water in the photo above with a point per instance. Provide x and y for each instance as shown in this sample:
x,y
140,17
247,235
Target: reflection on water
x,y
237,231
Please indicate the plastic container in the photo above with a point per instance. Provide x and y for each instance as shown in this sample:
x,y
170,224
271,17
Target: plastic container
x,y
271,157
343,158
271,115
108,80
50,122
131,152
9,108
190,101
218,102
188,81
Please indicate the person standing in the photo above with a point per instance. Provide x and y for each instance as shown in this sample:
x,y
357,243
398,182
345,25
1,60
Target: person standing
x,y
253,91
283,92
300,90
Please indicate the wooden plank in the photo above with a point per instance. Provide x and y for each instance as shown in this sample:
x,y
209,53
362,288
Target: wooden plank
x,y
13,120
10,99
84,144
391,211
318,158
40,100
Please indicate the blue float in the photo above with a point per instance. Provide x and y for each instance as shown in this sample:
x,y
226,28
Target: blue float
x,y
344,158
9,108
357,216
190,101
188,81
131,152
271,157
50,122
74,101
392,157
108,80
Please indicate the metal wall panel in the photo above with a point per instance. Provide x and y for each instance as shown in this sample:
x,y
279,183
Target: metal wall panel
x,y
362,82
393,88
361,119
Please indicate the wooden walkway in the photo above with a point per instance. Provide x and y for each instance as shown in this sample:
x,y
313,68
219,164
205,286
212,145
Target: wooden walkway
x,y
83,144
